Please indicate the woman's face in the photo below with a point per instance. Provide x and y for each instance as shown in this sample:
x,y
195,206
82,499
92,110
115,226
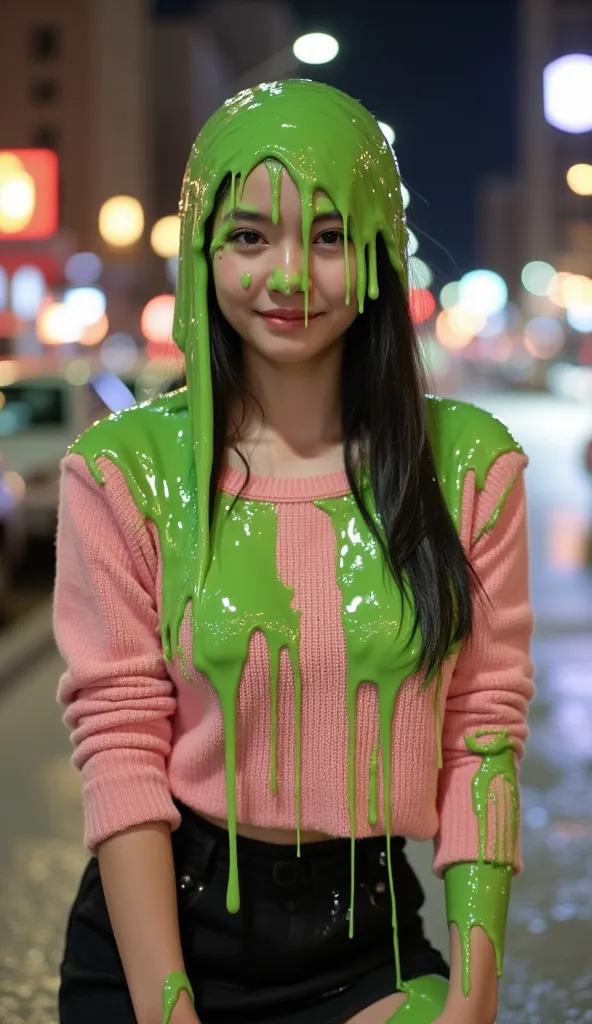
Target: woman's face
x,y
258,272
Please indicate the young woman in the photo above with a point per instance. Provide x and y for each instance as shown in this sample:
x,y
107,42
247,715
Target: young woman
x,y
292,598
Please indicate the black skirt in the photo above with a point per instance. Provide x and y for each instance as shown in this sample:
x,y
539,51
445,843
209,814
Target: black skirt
x,y
285,957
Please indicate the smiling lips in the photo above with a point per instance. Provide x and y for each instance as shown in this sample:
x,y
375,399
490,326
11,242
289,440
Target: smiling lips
x,y
286,319
286,314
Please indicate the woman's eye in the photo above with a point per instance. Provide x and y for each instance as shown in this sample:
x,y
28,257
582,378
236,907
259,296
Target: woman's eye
x,y
331,237
245,237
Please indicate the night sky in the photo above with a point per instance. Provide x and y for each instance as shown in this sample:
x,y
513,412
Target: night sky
x,y
444,76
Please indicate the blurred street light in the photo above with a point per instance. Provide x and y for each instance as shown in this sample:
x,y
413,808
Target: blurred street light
x,y
536,277
83,268
157,319
28,287
449,296
316,48
17,195
483,292
567,91
121,221
579,179
165,236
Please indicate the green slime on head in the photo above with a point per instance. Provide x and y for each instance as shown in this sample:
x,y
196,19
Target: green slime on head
x,y
326,141
245,280
164,447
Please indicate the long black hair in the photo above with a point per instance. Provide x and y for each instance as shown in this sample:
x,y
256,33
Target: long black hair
x,y
383,409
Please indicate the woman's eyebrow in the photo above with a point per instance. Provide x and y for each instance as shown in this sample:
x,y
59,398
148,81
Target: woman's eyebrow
x,y
257,218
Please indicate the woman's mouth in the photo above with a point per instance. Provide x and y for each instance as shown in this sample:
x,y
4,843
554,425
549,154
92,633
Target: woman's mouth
x,y
286,319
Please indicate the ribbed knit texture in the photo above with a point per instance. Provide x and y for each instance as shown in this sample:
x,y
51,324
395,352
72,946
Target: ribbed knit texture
x,y
145,732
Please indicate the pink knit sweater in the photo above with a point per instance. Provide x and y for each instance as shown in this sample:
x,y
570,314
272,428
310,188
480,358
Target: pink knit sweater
x,y
145,732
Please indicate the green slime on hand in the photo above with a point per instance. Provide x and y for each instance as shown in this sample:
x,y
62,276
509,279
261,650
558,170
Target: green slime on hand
x,y
174,983
164,448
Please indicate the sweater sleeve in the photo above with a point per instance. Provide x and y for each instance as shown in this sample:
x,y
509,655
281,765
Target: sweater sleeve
x,y
492,680
116,690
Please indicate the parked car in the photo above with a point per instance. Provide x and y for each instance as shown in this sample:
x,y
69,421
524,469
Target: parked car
x,y
44,406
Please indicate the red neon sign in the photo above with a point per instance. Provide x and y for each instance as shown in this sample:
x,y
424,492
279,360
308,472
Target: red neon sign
x,y
28,194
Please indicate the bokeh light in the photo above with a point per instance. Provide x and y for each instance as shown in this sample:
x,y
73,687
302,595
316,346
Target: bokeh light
x,y
94,333
570,290
483,292
536,277
420,275
3,288
17,195
450,295
56,325
544,337
165,236
456,327
567,92
87,305
495,324
83,269
28,291
316,48
157,319
413,244
580,318
388,132
121,221
77,372
405,194
422,305
579,179
119,352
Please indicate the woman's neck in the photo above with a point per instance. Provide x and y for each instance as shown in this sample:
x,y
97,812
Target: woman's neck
x,y
301,403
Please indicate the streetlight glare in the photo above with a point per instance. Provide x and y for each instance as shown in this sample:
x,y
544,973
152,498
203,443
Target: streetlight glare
x,y
483,292
388,132
121,221
536,277
567,92
579,179
316,48
165,236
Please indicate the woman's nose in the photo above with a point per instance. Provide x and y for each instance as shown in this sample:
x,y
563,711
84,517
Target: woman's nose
x,y
285,282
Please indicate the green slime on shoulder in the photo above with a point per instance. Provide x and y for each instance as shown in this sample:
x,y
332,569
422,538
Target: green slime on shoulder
x,y
164,448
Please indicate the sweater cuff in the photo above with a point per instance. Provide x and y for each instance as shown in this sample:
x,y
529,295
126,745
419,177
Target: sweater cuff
x,y
457,841
114,804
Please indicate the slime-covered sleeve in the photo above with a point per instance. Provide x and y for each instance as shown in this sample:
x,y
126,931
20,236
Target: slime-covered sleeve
x,y
492,680
118,696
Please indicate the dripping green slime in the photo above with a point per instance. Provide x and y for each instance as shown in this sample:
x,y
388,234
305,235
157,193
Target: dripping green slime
x,y
164,448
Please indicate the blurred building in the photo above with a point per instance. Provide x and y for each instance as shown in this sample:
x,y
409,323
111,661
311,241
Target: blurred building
x,y
73,78
199,62
120,96
537,216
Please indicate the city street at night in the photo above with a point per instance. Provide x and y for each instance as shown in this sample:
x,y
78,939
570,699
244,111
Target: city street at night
x,y
548,976
253,233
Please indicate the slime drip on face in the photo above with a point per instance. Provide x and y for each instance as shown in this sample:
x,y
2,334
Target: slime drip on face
x,y
327,142
164,448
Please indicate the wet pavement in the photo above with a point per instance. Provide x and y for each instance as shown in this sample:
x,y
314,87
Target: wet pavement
x,y
548,969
